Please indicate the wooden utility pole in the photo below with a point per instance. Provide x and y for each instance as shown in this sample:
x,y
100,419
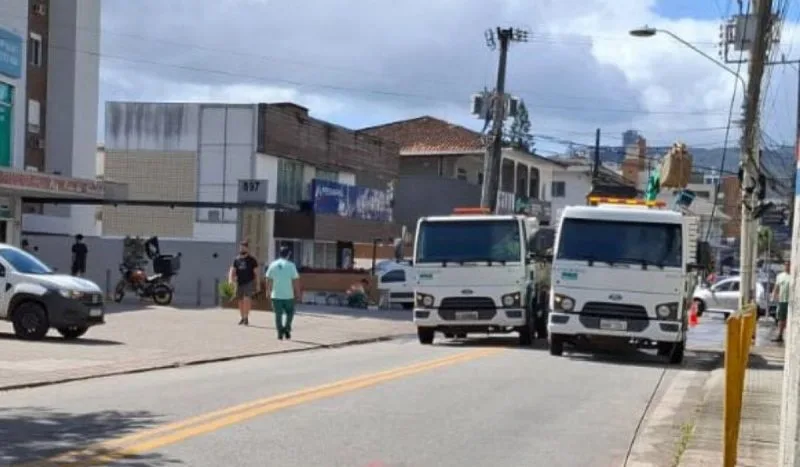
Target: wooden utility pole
x,y
750,154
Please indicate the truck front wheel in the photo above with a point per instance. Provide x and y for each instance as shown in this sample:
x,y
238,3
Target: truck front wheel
x,y
30,321
556,344
425,336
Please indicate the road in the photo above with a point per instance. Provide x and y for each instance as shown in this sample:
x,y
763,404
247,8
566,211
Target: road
x,y
477,403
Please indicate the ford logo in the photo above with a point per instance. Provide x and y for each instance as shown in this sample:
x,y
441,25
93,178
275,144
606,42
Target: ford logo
x,y
467,291
615,297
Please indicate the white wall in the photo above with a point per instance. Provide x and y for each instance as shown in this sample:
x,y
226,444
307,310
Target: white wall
x,y
577,185
14,19
546,170
226,155
141,126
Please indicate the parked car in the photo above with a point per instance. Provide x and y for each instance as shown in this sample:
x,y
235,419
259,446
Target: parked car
x,y
723,297
399,280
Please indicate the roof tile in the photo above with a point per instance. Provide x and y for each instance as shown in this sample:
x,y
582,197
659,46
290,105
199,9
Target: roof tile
x,y
428,135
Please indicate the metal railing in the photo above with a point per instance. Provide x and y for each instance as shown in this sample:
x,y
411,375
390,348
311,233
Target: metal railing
x,y
738,341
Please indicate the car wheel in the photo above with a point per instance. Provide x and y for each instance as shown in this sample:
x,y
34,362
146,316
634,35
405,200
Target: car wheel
x,y
701,307
73,332
30,321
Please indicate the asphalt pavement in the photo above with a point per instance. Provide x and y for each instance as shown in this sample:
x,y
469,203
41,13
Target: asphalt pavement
x,y
483,402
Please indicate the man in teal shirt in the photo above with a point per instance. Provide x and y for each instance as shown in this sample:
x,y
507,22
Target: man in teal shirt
x,y
781,294
283,285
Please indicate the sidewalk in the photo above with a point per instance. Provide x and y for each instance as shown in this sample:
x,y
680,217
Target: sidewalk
x,y
149,337
761,412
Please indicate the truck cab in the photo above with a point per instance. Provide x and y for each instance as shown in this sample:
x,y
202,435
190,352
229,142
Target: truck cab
x,y
474,275
623,269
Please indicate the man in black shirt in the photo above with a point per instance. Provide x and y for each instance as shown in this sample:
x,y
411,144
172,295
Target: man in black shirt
x,y
244,273
79,252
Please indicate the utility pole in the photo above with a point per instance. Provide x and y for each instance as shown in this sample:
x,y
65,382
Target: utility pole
x,y
494,151
596,165
750,158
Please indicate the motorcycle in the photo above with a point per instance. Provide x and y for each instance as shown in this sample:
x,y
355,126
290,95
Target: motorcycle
x,y
158,286
136,280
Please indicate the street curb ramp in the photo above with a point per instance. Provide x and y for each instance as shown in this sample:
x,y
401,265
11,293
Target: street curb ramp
x,y
203,361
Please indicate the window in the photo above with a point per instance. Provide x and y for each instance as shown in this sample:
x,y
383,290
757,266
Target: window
x,y
290,182
615,242
34,116
329,175
398,275
295,250
533,189
507,176
461,173
23,262
35,50
484,240
522,180
324,255
559,189
480,178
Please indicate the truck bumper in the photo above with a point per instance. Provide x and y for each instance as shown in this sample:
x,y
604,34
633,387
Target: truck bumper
x,y
574,324
487,320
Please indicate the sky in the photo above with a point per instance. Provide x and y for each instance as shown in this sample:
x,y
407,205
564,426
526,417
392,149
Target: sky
x,y
359,63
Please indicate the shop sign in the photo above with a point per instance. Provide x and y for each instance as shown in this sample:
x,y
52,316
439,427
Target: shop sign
x,y
10,54
351,201
51,184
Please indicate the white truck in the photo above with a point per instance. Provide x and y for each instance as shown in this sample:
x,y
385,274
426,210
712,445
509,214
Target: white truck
x,y
474,275
623,269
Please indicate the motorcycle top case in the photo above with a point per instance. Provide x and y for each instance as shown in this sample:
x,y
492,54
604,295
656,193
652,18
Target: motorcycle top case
x,y
166,264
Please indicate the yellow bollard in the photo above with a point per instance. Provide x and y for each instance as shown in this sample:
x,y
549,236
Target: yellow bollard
x,y
738,341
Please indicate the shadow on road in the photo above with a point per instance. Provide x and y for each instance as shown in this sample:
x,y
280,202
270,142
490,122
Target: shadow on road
x,y
83,341
697,360
510,341
31,434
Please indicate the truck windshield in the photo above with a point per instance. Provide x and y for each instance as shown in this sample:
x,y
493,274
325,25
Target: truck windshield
x,y
614,242
23,262
469,241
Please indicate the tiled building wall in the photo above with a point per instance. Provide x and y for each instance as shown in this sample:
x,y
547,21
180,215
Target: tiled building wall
x,y
152,176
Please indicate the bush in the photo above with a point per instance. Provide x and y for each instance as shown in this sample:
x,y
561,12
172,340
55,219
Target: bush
x,y
227,291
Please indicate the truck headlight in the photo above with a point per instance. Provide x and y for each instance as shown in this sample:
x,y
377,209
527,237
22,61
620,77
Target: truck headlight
x,y
66,293
512,300
424,300
564,303
667,311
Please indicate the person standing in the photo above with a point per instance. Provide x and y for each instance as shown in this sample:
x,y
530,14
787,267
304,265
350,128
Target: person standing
x,y
283,285
79,253
244,274
780,294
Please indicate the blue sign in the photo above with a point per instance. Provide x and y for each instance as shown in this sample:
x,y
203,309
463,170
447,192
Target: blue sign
x,y
10,54
351,201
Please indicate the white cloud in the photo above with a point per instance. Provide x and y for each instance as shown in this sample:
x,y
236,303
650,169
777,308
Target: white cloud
x,y
361,62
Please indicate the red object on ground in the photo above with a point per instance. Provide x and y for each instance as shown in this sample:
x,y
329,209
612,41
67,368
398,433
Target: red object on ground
x,y
693,315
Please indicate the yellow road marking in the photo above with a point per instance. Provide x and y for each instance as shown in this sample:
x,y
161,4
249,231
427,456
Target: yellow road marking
x,y
163,435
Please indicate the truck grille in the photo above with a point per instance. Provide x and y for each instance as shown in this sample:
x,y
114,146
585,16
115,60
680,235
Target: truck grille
x,y
614,310
483,305
467,303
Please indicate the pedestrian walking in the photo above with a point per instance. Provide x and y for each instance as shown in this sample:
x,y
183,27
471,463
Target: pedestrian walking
x,y
283,285
780,294
244,274
79,253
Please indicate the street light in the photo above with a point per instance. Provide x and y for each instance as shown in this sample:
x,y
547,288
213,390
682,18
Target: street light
x,y
647,31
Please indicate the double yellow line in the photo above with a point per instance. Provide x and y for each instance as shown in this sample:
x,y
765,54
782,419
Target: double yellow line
x,y
150,439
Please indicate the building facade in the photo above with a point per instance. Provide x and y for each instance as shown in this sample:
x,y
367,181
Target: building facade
x,y
49,75
200,152
433,150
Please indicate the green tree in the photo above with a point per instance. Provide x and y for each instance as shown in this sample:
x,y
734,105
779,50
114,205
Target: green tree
x,y
518,135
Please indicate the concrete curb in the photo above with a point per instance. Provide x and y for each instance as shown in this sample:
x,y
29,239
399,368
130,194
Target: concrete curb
x,y
204,361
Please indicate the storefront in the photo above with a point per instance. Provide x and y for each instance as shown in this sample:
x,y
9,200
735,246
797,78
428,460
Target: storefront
x,y
338,220
16,186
